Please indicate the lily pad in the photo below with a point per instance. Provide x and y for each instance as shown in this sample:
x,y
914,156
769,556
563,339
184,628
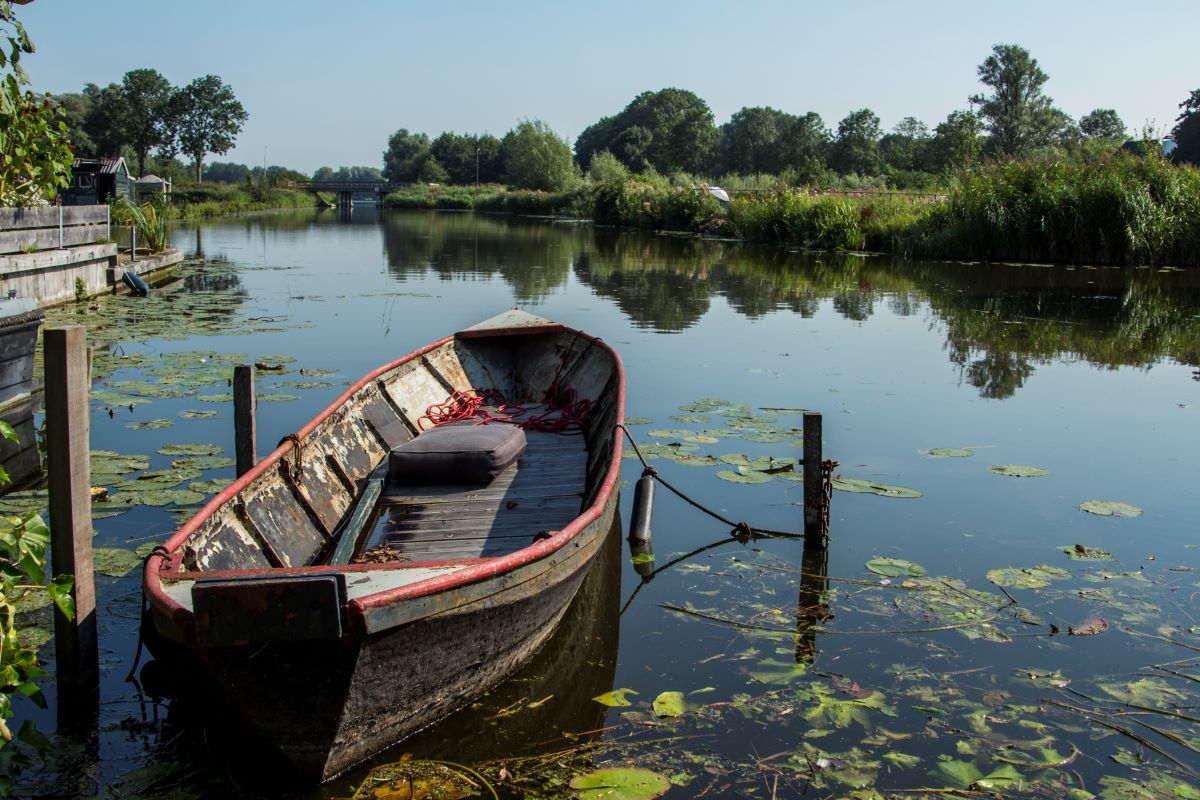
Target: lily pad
x,y
617,698
214,398
184,449
115,561
638,420
1081,553
701,439
743,475
194,414
277,397
951,452
149,425
895,567
1110,508
693,460
1018,470
1027,577
620,783
864,486
210,486
669,704
203,462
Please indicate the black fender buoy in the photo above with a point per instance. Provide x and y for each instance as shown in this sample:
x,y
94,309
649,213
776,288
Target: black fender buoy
x,y
643,509
642,556
135,283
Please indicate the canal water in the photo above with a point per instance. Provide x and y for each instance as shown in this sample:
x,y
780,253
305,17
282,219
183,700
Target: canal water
x,y
973,626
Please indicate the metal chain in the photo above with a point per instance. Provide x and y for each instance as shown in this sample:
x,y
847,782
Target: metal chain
x,y
827,468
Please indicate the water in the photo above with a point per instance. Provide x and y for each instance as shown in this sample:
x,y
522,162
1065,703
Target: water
x,y
799,673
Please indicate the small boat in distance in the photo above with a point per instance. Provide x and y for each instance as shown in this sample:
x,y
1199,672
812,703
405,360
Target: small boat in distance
x,y
352,589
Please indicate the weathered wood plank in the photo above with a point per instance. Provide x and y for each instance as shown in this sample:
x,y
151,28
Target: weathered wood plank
x,y
226,545
16,241
47,216
284,524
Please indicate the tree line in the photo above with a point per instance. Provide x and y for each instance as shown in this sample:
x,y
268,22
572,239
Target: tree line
x,y
673,131
145,114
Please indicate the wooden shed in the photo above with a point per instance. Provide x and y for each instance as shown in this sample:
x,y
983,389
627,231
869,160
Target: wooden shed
x,y
98,180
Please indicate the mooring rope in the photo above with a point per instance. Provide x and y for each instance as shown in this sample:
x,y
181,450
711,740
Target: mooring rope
x,y
739,529
159,550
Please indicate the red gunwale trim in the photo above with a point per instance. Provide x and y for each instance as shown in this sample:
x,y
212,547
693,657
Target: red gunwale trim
x,y
477,569
397,566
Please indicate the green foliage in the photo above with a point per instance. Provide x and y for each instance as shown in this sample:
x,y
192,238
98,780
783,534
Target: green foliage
x,y
407,158
151,219
23,542
35,161
1187,131
1103,123
1017,115
606,168
207,118
80,289
856,147
143,115
536,158
670,130
1122,210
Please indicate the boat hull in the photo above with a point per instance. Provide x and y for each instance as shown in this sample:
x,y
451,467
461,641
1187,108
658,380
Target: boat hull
x,y
327,705
332,678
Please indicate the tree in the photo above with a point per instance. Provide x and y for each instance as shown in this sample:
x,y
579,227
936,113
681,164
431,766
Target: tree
x,y
803,147
856,148
906,147
1187,131
35,160
1103,123
73,111
144,116
407,156
536,158
750,142
957,142
100,125
491,159
1017,115
670,130
226,172
208,118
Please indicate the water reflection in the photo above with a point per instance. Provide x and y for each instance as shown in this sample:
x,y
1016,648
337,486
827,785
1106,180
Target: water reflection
x,y
1001,320
533,258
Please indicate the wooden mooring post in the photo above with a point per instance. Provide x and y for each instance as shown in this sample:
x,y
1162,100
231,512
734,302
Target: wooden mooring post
x,y
245,434
67,452
814,485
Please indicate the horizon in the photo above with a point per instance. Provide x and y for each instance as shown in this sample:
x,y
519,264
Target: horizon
x,y
470,77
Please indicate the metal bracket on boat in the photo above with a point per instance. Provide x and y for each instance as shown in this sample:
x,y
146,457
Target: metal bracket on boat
x,y
255,609
297,467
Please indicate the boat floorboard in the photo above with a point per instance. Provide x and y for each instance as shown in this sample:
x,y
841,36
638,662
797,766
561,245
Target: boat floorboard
x,y
542,492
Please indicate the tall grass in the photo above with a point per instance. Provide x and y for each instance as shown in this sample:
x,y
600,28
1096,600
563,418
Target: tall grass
x,y
1123,210
150,219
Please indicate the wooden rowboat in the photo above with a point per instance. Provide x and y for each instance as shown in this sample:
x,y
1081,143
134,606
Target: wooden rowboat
x,y
449,588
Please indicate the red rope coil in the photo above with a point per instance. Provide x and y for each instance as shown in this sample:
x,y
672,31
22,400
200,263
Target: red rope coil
x,y
562,411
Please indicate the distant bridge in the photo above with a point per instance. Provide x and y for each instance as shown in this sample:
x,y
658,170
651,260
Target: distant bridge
x,y
345,190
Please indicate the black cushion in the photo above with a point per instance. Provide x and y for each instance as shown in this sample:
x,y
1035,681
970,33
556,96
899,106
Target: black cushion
x,y
457,453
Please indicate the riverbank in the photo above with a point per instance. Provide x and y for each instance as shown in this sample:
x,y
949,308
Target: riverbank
x,y
1120,211
209,200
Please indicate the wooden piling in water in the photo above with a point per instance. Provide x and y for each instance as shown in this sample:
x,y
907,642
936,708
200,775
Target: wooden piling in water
x,y
814,490
245,432
69,480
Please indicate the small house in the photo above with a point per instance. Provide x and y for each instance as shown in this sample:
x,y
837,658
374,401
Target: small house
x,y
97,180
150,187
